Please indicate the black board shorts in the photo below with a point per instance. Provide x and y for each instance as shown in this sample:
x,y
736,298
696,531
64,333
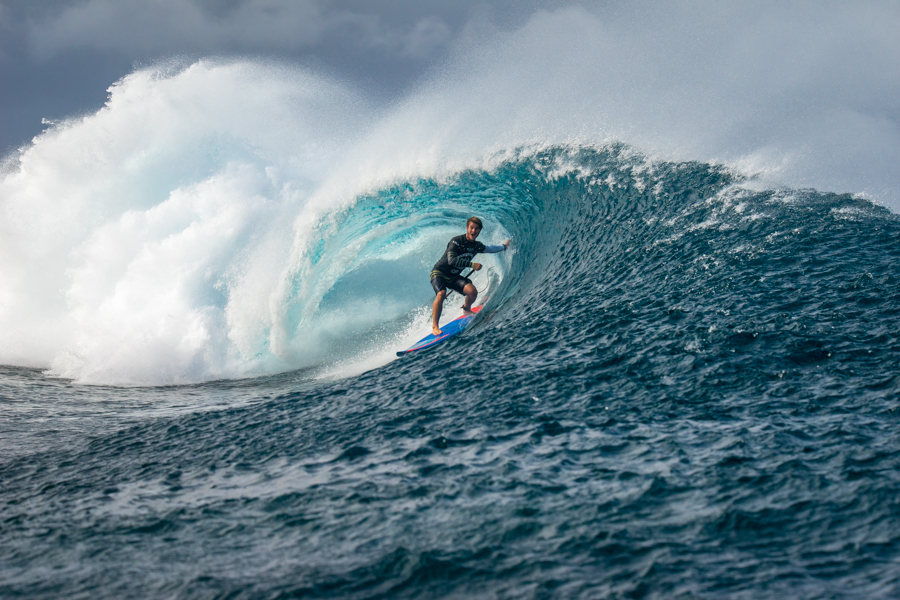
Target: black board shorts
x,y
456,283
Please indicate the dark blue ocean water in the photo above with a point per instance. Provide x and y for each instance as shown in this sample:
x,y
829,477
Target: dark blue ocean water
x,y
681,387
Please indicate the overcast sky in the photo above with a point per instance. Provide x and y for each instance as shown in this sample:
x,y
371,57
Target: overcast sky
x,y
58,57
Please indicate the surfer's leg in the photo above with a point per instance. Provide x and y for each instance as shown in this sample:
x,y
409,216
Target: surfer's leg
x,y
436,311
471,294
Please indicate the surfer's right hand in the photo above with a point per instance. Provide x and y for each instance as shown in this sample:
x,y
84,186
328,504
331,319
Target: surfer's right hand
x,y
476,266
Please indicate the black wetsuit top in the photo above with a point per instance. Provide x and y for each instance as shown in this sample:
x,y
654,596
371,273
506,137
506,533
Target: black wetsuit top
x,y
458,256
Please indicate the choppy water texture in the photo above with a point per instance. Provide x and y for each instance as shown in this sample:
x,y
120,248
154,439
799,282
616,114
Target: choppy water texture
x,y
679,388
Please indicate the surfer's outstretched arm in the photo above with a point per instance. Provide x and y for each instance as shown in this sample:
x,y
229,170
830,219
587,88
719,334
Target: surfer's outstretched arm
x,y
494,248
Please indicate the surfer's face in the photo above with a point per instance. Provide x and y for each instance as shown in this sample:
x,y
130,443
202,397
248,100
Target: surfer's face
x,y
472,231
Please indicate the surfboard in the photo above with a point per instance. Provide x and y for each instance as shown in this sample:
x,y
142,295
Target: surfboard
x,y
454,327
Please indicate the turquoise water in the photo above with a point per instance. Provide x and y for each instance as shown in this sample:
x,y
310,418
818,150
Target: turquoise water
x,y
681,386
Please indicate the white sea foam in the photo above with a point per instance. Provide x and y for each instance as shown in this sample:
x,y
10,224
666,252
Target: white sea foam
x,y
143,243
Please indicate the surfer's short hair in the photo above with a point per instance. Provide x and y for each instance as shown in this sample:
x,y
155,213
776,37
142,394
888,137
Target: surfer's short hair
x,y
475,220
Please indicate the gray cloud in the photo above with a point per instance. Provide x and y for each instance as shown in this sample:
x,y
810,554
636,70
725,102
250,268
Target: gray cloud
x,y
143,30
58,57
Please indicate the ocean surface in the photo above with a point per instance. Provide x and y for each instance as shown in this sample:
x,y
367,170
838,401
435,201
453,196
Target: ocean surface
x,y
680,386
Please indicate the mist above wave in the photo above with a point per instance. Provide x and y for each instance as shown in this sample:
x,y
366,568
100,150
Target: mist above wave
x,y
799,94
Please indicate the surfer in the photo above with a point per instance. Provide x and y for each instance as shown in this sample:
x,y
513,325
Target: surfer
x,y
446,272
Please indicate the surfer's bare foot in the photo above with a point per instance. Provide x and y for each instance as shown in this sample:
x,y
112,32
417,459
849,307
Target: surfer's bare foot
x,y
436,330
467,311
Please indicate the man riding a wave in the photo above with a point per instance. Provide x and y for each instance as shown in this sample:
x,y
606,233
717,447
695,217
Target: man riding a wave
x,y
446,272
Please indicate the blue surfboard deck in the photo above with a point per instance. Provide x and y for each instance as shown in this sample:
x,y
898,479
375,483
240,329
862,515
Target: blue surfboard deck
x,y
454,327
